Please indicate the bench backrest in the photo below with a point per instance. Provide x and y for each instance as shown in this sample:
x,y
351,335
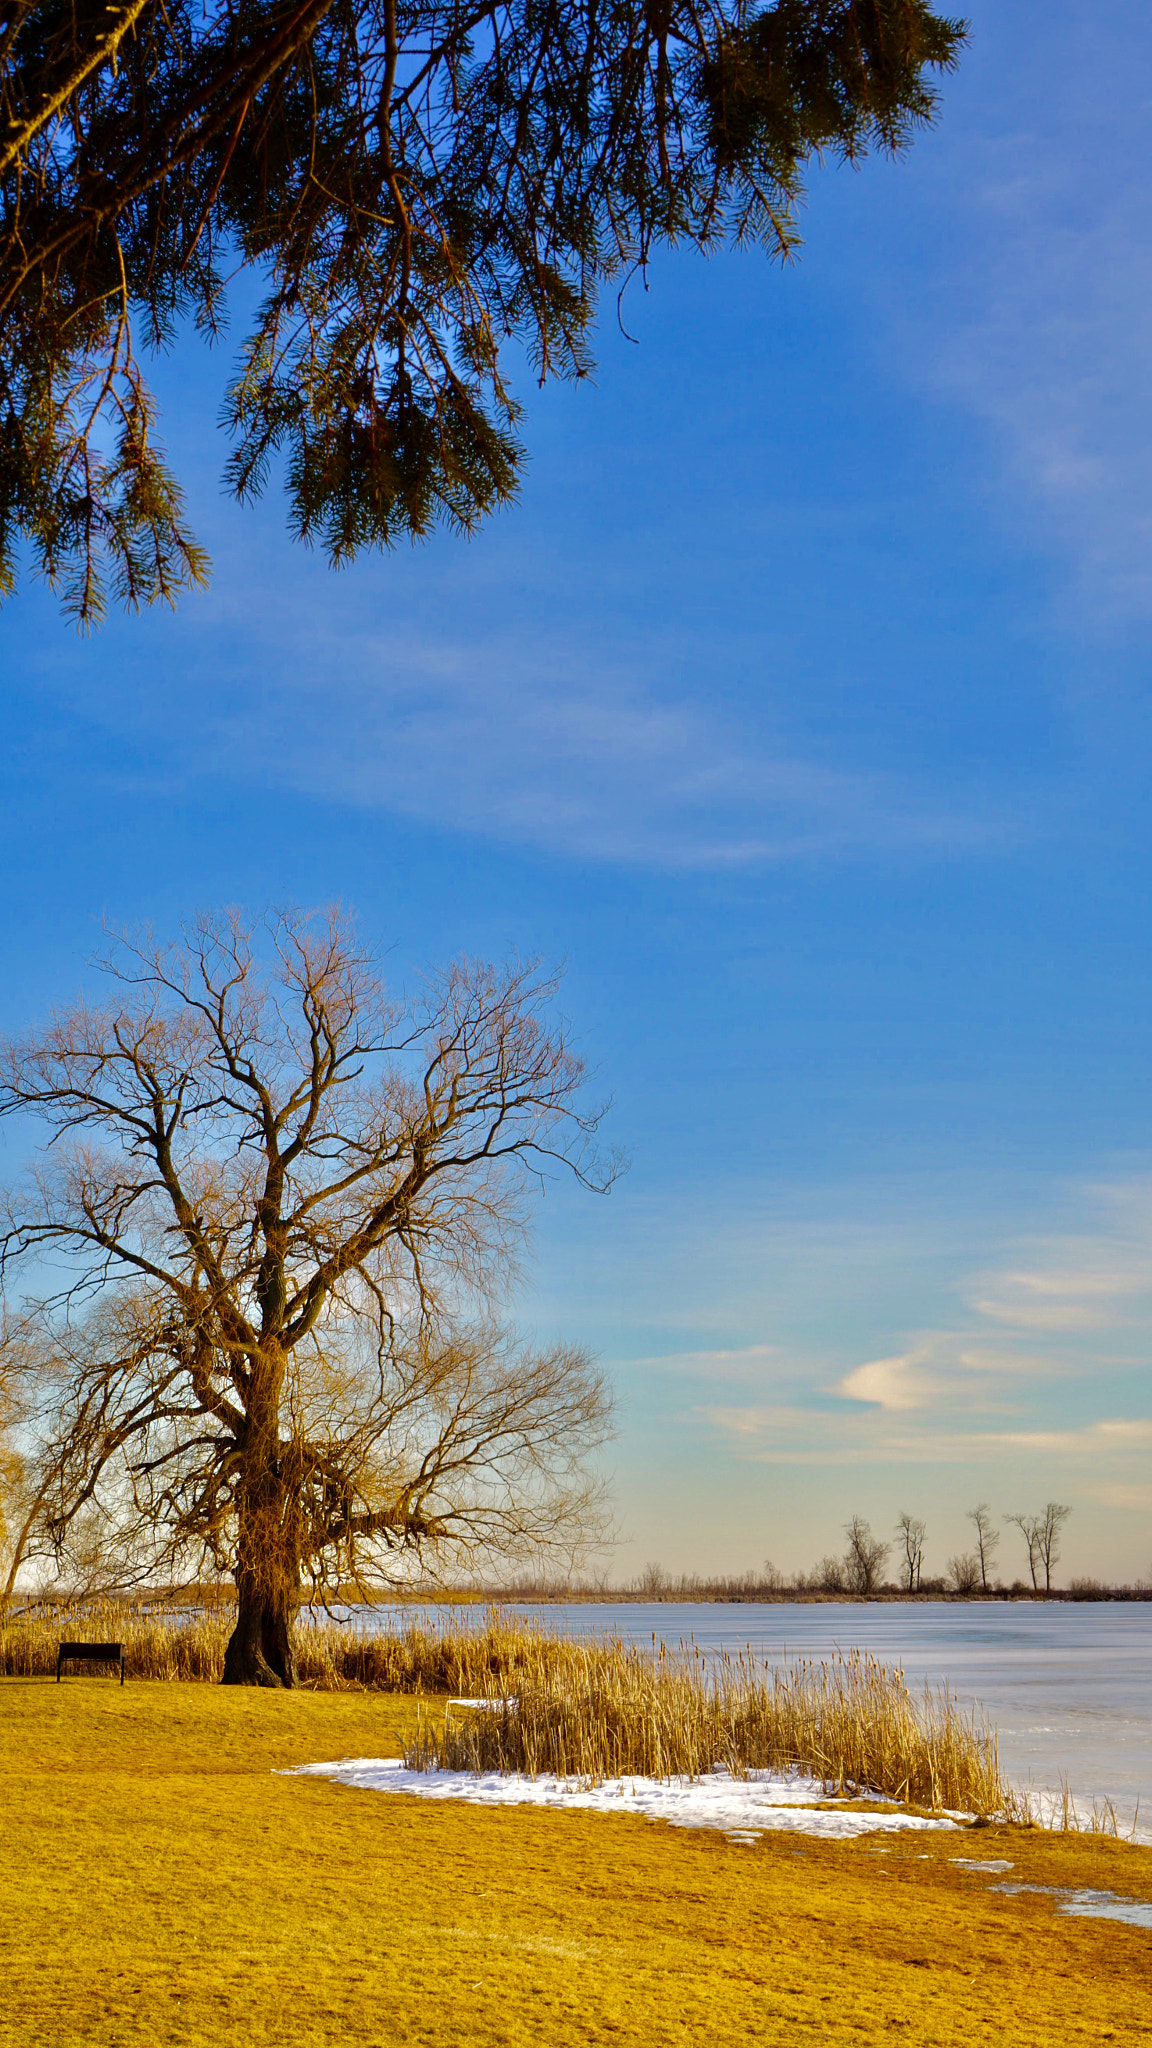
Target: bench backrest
x,y
104,1653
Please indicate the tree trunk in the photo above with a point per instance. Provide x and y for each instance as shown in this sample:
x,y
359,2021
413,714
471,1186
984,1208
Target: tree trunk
x,y
260,1648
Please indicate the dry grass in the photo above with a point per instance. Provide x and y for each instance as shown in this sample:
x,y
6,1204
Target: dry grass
x,y
183,1644
1060,1814
593,1711
176,1646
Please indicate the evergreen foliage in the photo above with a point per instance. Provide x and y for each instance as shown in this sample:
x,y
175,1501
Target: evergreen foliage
x,y
415,182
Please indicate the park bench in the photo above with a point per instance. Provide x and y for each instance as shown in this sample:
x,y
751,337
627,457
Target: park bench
x,y
90,1653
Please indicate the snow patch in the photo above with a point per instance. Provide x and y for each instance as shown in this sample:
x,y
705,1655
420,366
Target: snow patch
x,y
1089,1905
742,1807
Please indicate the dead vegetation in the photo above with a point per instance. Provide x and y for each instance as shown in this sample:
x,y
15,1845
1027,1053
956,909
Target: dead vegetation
x,y
600,1710
332,1655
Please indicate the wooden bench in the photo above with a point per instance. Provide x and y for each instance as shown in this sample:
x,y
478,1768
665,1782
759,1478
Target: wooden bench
x,y
90,1653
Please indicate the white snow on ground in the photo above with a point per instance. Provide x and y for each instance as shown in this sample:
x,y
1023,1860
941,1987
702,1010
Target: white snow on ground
x,y
742,1807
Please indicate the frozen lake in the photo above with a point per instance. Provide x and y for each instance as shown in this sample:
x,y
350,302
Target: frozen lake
x,y
1068,1688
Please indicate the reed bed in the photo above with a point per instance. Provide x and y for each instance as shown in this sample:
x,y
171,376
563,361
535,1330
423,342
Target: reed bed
x,y
174,1645
606,1710
475,1656
1060,1814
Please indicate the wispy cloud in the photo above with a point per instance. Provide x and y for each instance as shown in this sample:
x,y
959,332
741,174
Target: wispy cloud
x,y
1090,1282
585,756
601,739
798,1436
1099,1439
1119,1494
894,1383
735,1365
1038,318
1074,1287
1061,1301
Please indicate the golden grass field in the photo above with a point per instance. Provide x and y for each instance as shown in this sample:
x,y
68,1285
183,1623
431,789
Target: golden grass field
x,y
159,1884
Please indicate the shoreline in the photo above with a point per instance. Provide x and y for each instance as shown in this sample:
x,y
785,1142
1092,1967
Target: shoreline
x,y
195,1597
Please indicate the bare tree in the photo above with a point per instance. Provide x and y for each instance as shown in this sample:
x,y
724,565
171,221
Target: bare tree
x,y
913,1533
1029,1528
828,1575
283,1214
1048,1527
963,1573
865,1557
987,1539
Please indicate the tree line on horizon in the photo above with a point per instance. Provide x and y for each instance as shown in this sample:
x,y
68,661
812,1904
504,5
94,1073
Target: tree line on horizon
x,y
862,1566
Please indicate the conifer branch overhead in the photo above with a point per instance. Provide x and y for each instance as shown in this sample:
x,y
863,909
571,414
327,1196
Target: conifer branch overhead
x,y
417,182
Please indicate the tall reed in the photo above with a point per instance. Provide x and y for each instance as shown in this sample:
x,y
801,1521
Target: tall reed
x,y
174,1645
444,1655
605,1710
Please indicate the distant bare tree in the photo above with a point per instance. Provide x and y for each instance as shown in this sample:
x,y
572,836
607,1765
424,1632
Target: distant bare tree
x,y
284,1212
865,1557
913,1533
828,1575
1029,1528
1048,1527
963,1572
987,1539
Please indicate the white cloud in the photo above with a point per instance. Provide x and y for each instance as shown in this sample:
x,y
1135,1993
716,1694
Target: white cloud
x,y
939,1372
1059,1301
1010,1389
1096,1280
1095,1455
892,1383
599,740
1116,1494
1097,1439
756,1423
740,1363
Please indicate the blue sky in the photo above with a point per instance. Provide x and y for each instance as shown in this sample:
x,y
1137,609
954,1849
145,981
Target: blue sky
x,y
802,707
